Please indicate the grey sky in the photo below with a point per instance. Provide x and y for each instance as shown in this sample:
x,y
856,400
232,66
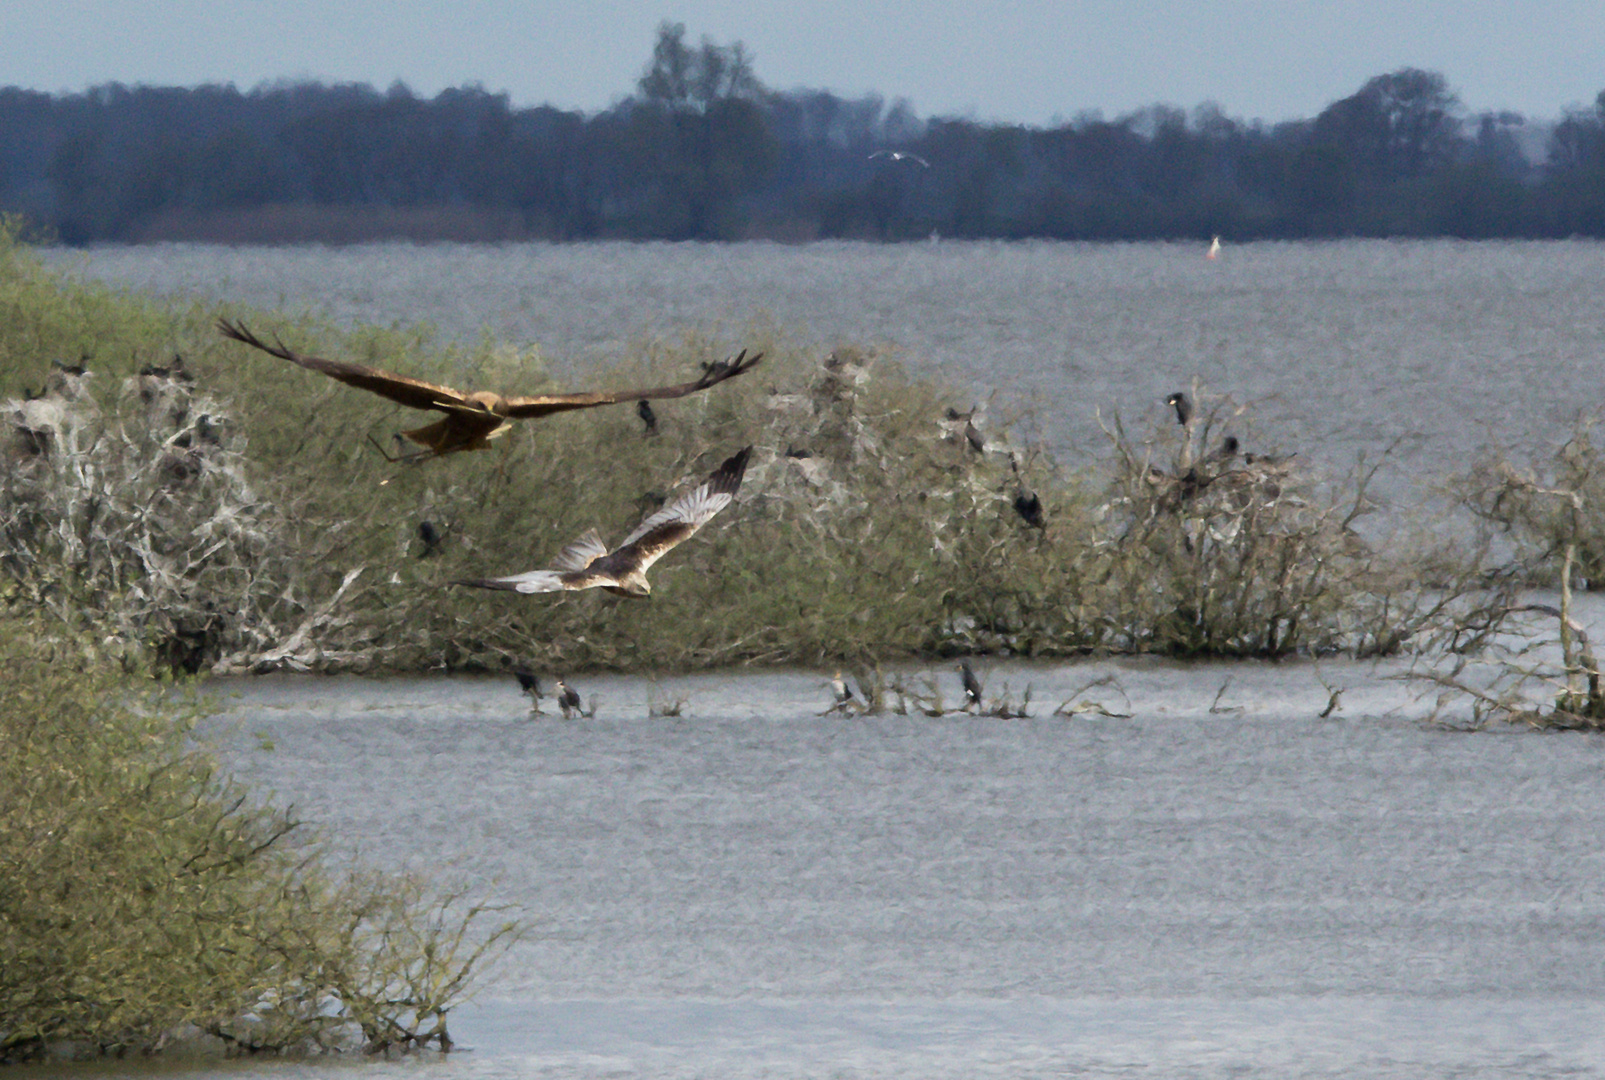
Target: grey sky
x,y
1029,60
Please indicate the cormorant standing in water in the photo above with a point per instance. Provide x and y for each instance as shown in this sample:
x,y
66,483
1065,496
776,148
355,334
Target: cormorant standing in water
x,y
529,684
972,685
568,699
843,692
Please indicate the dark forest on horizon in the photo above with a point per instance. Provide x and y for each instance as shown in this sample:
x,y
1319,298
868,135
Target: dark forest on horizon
x,y
702,150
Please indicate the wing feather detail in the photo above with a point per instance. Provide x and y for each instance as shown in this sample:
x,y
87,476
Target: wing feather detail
x,y
418,394
581,553
586,563
414,393
545,404
680,520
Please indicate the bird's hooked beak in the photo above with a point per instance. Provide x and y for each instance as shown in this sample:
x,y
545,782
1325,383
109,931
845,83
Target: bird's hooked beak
x,y
486,401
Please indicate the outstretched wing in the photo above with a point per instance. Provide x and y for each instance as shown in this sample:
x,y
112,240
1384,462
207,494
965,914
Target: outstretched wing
x,y
546,404
414,393
678,521
581,553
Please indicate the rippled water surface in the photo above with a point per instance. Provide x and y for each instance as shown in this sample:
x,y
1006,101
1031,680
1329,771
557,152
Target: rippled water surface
x,y
1221,883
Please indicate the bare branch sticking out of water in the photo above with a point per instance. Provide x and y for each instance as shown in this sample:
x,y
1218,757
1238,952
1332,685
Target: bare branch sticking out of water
x,y
1519,679
926,699
1003,706
658,704
1215,707
1076,704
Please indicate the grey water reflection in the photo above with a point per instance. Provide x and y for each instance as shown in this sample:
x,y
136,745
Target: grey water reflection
x,y
1222,883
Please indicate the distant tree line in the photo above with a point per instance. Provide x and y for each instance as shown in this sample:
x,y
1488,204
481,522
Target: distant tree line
x,y
702,150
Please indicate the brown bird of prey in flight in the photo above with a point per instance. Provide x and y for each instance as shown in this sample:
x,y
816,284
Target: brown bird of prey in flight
x,y
472,420
588,564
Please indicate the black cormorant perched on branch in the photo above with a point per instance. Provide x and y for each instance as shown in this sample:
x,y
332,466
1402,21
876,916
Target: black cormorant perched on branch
x,y
1183,406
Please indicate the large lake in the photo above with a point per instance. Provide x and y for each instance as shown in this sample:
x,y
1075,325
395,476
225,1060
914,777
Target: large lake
x,y
1222,884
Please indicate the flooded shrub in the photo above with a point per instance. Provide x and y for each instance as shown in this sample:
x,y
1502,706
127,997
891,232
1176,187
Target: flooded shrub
x,y
146,900
1534,665
862,528
141,510
1547,507
1214,549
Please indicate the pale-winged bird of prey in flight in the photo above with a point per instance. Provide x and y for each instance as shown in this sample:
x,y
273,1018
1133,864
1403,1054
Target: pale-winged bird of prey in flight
x,y
472,420
588,564
901,155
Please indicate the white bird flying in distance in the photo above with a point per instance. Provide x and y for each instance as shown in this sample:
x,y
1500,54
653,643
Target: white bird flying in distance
x,y
588,564
472,420
901,155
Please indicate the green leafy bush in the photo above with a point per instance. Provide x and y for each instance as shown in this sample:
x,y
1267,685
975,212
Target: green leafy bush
x,y
146,898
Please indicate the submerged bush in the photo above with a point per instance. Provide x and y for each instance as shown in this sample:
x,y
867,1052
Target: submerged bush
x,y
1522,672
145,898
1554,505
865,526
142,513
1216,550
